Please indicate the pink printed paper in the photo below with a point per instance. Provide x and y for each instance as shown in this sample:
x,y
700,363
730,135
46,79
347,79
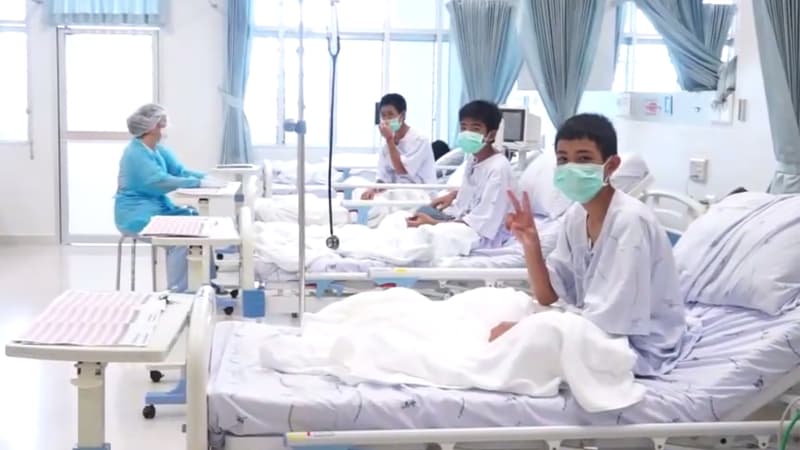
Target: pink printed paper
x,y
182,226
85,318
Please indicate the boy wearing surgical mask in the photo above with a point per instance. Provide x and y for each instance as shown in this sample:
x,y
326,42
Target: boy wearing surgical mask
x,y
481,201
407,156
613,261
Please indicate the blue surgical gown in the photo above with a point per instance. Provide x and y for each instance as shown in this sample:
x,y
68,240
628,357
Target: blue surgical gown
x,y
145,177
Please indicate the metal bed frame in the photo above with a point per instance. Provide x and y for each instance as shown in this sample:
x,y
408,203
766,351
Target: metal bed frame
x,y
734,431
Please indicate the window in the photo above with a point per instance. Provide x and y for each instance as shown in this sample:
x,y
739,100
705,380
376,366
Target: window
x,y
386,46
643,62
96,100
90,106
14,88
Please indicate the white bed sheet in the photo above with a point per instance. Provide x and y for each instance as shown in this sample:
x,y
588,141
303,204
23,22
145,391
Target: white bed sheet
x,y
742,351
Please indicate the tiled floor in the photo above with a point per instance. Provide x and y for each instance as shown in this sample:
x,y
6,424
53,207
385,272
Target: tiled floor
x,y
39,404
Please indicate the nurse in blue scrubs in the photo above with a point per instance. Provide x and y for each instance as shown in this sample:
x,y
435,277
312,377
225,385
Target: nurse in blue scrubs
x,y
147,172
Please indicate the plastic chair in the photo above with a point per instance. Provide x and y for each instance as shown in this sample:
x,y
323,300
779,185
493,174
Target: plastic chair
x,y
134,239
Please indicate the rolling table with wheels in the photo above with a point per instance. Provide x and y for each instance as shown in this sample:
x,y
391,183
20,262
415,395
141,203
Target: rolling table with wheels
x,y
91,362
217,232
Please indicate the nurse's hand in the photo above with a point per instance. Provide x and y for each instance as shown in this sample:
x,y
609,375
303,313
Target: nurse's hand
x,y
500,330
386,131
444,201
520,221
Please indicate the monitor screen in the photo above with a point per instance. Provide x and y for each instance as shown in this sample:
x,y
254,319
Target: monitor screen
x,y
514,124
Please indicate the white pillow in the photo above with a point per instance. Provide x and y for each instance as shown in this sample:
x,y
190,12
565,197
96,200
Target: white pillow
x,y
743,252
537,181
452,158
631,174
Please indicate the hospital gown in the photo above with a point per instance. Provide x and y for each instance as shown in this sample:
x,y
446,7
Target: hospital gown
x,y
626,284
145,177
417,156
482,201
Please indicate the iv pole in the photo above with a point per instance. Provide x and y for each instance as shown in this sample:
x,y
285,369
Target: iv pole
x,y
300,129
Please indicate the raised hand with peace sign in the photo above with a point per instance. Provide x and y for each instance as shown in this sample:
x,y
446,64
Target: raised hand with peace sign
x,y
520,221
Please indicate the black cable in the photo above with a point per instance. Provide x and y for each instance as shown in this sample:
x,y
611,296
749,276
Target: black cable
x,y
332,242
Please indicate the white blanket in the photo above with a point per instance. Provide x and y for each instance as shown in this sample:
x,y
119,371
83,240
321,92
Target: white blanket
x,y
283,208
391,242
377,214
399,337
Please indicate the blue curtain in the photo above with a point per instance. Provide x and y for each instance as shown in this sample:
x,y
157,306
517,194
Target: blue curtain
x,y
106,12
483,33
236,144
717,20
559,41
778,32
694,35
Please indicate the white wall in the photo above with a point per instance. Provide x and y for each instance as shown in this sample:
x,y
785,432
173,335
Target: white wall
x,y
192,63
739,154
192,51
29,187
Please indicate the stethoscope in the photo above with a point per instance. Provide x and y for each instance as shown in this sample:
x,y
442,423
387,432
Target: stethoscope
x,y
333,49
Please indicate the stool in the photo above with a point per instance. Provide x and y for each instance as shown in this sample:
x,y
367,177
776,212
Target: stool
x,y
134,238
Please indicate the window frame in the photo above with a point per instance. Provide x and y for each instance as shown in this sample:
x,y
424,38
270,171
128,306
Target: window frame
x,y
633,39
437,36
65,135
22,26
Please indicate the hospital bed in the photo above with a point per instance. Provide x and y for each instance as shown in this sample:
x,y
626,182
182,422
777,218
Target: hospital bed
x,y
497,267
279,177
332,277
745,361
674,211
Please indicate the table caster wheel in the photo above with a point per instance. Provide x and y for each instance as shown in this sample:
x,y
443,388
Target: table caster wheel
x,y
295,315
228,310
234,294
149,412
156,376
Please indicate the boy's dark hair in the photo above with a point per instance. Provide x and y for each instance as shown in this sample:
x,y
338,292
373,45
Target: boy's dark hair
x,y
440,148
485,112
594,127
395,100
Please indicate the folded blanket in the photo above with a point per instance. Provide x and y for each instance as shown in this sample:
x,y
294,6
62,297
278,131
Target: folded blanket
x,y
391,242
284,208
399,337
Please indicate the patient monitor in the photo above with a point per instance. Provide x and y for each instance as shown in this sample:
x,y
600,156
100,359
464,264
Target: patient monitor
x,y
520,126
521,131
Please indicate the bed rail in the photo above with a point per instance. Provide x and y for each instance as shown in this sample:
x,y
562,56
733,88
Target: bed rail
x,y
553,436
247,254
673,210
198,354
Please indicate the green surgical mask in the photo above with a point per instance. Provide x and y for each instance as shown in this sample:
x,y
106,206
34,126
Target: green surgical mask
x,y
579,182
394,124
470,142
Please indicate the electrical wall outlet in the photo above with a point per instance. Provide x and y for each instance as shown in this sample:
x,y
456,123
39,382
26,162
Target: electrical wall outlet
x,y
698,170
